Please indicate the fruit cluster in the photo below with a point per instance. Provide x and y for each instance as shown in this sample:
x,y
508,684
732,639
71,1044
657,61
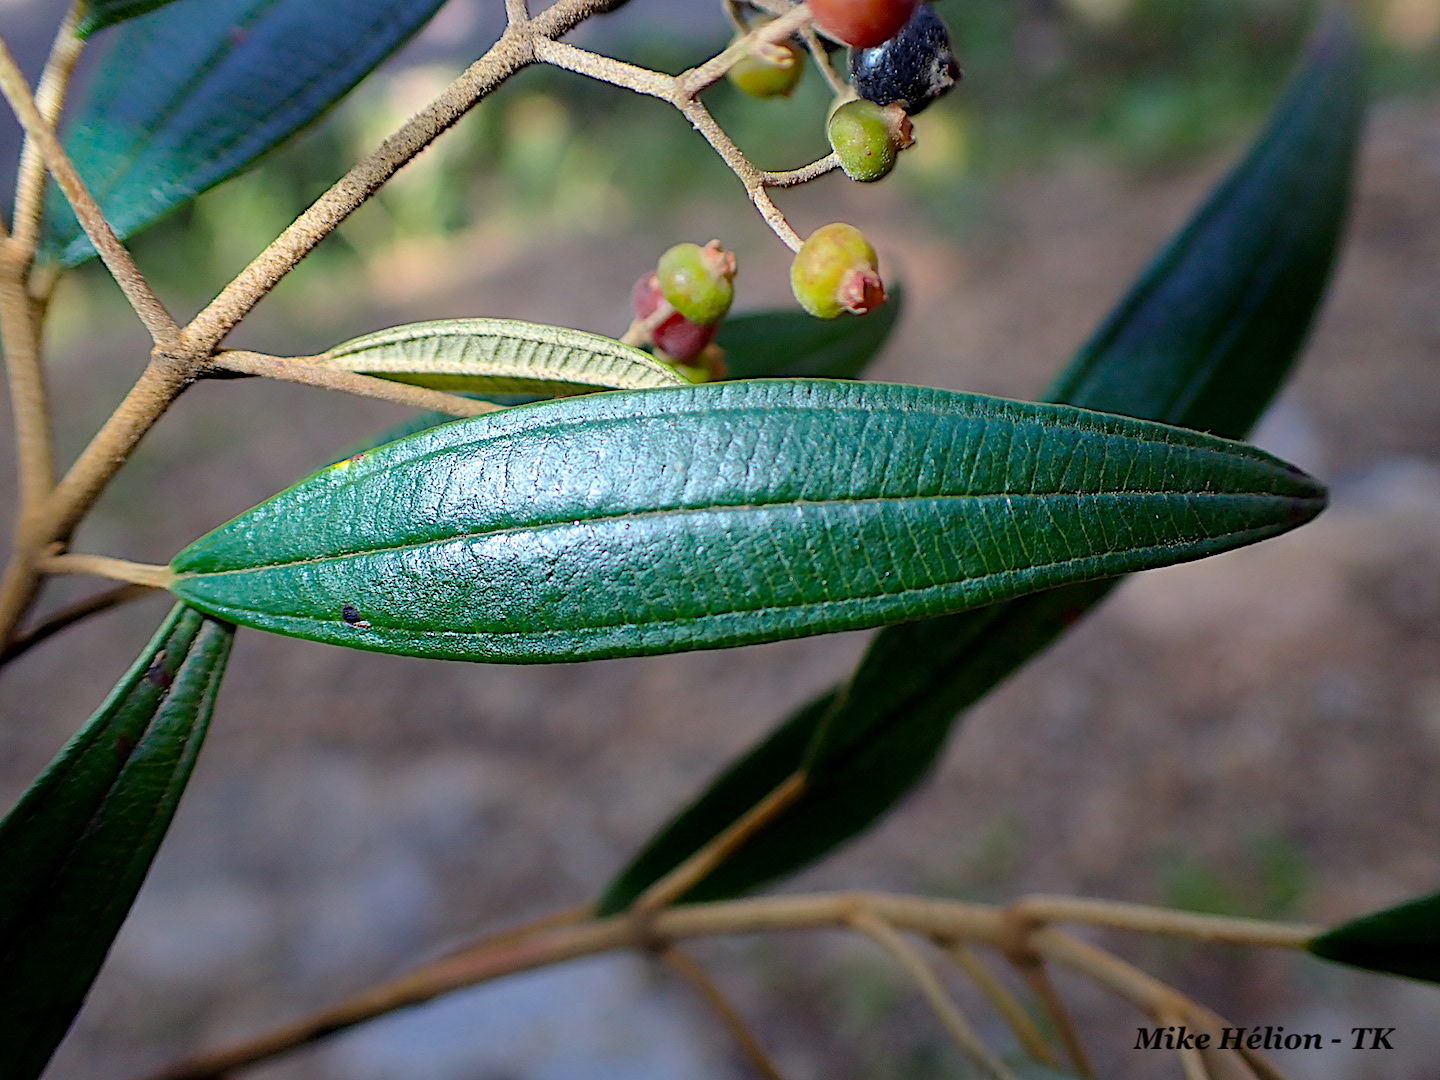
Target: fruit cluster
x,y
900,62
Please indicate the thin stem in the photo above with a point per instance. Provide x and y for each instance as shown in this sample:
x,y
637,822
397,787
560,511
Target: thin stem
x,y
803,175
70,615
517,12
555,941
513,51
821,57
20,336
702,863
609,70
1032,970
162,327
750,176
145,574
1144,991
1027,1032
162,381
349,382
1155,920
933,991
679,93
713,70
689,969
50,96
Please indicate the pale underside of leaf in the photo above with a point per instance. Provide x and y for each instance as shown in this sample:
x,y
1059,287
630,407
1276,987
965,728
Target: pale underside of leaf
x,y
500,356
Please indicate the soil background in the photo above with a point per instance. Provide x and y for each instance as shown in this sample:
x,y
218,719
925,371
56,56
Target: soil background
x,y
1257,733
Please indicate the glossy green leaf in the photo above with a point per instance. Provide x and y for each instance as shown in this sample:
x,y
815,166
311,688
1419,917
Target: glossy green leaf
x,y
500,356
98,14
75,849
1403,940
197,91
653,521
1203,339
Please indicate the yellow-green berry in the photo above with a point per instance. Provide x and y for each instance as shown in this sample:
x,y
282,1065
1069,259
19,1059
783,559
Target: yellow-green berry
x,y
835,271
771,70
866,138
698,282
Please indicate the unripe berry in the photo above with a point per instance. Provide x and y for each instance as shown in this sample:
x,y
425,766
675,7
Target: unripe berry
x,y
913,68
769,71
674,335
866,137
836,270
861,23
698,282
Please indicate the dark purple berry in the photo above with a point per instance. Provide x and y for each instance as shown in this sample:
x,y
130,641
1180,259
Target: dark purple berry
x,y
913,68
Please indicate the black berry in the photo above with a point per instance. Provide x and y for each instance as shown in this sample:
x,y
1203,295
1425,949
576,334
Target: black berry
x,y
913,68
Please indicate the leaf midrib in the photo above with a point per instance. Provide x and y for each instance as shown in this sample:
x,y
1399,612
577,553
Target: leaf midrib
x,y
722,508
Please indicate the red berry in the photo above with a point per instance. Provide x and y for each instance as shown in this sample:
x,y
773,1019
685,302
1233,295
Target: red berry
x,y
861,23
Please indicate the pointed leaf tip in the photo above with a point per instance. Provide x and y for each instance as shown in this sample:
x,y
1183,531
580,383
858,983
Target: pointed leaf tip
x,y
1402,940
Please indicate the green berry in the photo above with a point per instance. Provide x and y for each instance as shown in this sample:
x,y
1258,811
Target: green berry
x,y
835,271
698,282
866,138
769,71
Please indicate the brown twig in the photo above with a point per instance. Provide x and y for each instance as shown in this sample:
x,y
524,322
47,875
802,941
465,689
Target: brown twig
x,y
20,337
50,94
158,321
702,863
1032,969
965,1037
1027,1032
144,574
512,952
1144,991
1155,920
689,969
349,382
70,615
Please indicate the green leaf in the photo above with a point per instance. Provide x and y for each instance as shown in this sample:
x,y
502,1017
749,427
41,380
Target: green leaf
x,y
1403,940
99,14
757,345
1203,339
75,849
192,94
500,356
765,344
652,521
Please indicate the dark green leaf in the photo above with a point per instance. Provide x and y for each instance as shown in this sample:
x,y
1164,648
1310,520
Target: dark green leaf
x,y
765,344
1403,940
76,848
194,93
652,521
1203,339
102,13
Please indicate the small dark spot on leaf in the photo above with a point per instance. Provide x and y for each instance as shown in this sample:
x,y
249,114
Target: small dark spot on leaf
x,y
125,745
351,614
157,674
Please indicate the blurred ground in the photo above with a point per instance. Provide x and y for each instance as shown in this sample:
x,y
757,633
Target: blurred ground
x,y
1255,734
